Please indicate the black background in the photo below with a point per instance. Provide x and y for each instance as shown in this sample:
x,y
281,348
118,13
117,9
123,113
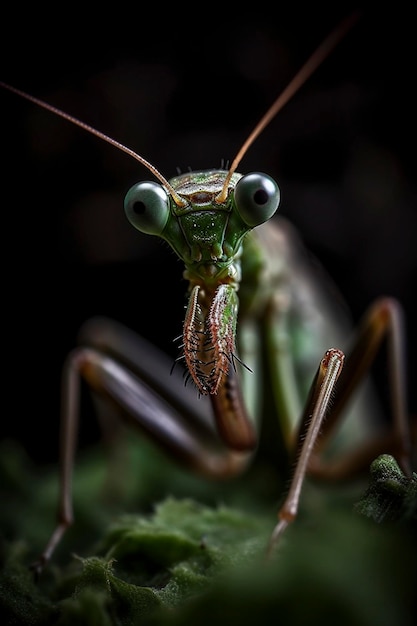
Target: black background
x,y
184,87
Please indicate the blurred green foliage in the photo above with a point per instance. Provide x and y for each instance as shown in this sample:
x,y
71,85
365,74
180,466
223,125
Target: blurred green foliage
x,y
186,550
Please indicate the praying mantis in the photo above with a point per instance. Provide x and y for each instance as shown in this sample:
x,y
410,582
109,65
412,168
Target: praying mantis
x,y
230,362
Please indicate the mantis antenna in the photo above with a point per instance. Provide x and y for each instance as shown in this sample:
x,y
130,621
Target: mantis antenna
x,y
299,79
177,199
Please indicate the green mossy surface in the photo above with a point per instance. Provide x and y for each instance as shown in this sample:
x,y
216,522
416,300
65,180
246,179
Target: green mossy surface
x,y
187,551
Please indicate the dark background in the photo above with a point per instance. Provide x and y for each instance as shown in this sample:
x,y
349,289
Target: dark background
x,y
184,88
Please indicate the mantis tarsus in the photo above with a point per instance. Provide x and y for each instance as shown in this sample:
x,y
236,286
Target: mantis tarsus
x,y
384,317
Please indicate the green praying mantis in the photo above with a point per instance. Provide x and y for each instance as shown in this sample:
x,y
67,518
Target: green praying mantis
x,y
249,307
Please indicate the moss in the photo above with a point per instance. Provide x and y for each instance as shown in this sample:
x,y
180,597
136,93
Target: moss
x,y
200,558
390,496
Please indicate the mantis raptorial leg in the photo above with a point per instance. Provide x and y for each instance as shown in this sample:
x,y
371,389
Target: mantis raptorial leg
x,y
213,263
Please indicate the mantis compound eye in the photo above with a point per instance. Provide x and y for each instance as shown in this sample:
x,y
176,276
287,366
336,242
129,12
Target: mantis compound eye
x,y
256,198
147,207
